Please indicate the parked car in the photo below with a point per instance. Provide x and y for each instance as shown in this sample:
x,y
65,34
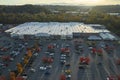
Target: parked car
x,y
43,68
32,70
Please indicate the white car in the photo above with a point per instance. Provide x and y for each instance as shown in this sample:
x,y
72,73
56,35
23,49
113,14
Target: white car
x,y
49,66
51,54
68,76
47,52
25,77
80,47
32,70
43,68
62,58
67,45
1,64
26,44
63,55
54,44
36,54
90,47
63,61
11,59
16,53
22,46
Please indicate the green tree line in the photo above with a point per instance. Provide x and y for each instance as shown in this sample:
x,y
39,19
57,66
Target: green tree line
x,y
30,13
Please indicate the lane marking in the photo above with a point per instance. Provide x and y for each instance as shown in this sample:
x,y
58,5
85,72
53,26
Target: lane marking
x,y
105,62
98,73
115,68
42,76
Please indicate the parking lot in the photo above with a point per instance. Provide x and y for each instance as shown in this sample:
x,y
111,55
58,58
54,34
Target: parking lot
x,y
73,59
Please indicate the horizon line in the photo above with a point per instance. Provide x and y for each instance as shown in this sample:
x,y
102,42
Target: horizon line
x,y
58,4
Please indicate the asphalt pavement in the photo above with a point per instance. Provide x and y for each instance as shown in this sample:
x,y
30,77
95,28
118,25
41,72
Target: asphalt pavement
x,y
98,69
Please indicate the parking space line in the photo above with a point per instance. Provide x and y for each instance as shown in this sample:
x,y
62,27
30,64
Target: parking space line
x,y
105,62
41,78
54,74
98,73
115,68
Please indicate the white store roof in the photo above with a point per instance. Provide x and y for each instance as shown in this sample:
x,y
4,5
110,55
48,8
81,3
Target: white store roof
x,y
107,36
53,28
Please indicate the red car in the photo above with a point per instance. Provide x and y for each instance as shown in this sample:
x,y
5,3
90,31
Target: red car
x,y
3,78
62,77
111,77
118,62
6,58
94,50
47,60
3,49
84,60
38,49
118,77
65,50
50,46
20,78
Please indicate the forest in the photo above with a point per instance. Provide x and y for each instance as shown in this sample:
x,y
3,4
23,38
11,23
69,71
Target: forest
x,y
36,13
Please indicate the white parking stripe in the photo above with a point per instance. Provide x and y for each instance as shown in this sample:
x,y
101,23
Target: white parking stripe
x,y
105,62
41,78
115,68
97,77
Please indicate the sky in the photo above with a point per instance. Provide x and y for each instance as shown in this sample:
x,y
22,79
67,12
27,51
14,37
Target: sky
x,y
72,2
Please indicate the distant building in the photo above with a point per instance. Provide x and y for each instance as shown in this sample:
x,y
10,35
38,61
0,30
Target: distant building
x,y
66,30
72,12
56,12
76,35
114,14
84,12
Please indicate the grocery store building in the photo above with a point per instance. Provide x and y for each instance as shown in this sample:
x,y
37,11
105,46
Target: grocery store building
x,y
55,29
